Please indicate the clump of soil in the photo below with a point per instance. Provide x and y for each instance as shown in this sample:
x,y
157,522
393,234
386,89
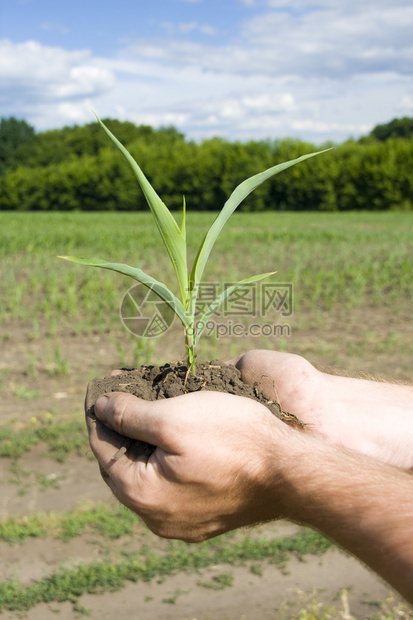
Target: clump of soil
x,y
173,379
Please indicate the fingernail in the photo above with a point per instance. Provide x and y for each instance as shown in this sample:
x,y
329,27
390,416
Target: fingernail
x,y
100,405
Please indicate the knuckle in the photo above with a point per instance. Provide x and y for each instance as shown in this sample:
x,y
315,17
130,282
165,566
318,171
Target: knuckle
x,y
118,412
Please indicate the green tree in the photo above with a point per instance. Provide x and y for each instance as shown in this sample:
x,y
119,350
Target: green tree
x,y
76,168
15,136
397,128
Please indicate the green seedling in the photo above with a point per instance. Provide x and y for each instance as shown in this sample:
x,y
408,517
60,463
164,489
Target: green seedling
x,y
174,238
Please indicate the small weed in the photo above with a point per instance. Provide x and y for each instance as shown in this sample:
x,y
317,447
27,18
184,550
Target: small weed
x,y
26,394
19,473
311,608
257,569
171,600
5,374
111,523
15,530
282,344
52,328
218,582
58,366
79,610
61,438
147,565
35,333
31,365
122,357
143,350
106,575
92,373
50,481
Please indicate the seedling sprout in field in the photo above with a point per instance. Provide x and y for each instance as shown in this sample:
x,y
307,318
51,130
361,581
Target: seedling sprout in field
x,y
174,238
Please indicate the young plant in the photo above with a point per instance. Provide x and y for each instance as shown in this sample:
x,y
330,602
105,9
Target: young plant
x,y
174,238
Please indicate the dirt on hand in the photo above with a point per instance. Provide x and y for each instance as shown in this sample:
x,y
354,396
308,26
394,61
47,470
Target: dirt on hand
x,y
174,379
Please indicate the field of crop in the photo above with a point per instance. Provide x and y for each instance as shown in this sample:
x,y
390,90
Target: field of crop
x,y
66,547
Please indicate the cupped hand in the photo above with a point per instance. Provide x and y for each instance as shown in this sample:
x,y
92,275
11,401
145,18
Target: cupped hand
x,y
212,469
367,416
288,379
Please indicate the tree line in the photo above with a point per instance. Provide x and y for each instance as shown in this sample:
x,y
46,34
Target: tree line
x,y
77,168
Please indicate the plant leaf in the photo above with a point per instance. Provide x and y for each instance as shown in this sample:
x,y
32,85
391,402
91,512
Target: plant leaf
x,y
240,192
137,274
183,222
222,297
173,237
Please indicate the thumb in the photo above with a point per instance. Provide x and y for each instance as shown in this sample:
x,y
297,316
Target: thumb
x,y
133,417
234,361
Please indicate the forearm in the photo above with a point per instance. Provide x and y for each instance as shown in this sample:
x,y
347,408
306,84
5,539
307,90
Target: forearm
x,y
371,417
364,506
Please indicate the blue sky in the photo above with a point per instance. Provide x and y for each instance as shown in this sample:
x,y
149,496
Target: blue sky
x,y
106,26
242,69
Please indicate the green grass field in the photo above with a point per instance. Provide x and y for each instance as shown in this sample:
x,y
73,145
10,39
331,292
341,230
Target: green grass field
x,y
353,290
351,259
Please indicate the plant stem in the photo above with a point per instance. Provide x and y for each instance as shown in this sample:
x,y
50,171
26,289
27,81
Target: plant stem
x,y
190,348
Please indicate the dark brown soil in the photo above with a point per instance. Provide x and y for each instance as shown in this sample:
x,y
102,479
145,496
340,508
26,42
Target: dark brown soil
x,y
173,379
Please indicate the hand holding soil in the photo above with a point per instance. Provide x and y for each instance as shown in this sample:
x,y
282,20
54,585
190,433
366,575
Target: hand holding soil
x,y
202,478
223,461
368,416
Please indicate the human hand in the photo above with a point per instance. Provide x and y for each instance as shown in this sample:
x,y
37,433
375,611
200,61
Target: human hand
x,y
222,461
371,417
288,379
212,470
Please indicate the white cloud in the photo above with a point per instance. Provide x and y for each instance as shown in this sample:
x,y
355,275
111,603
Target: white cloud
x,y
319,127
332,41
39,73
53,27
84,80
208,30
328,42
319,71
406,104
172,29
35,62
